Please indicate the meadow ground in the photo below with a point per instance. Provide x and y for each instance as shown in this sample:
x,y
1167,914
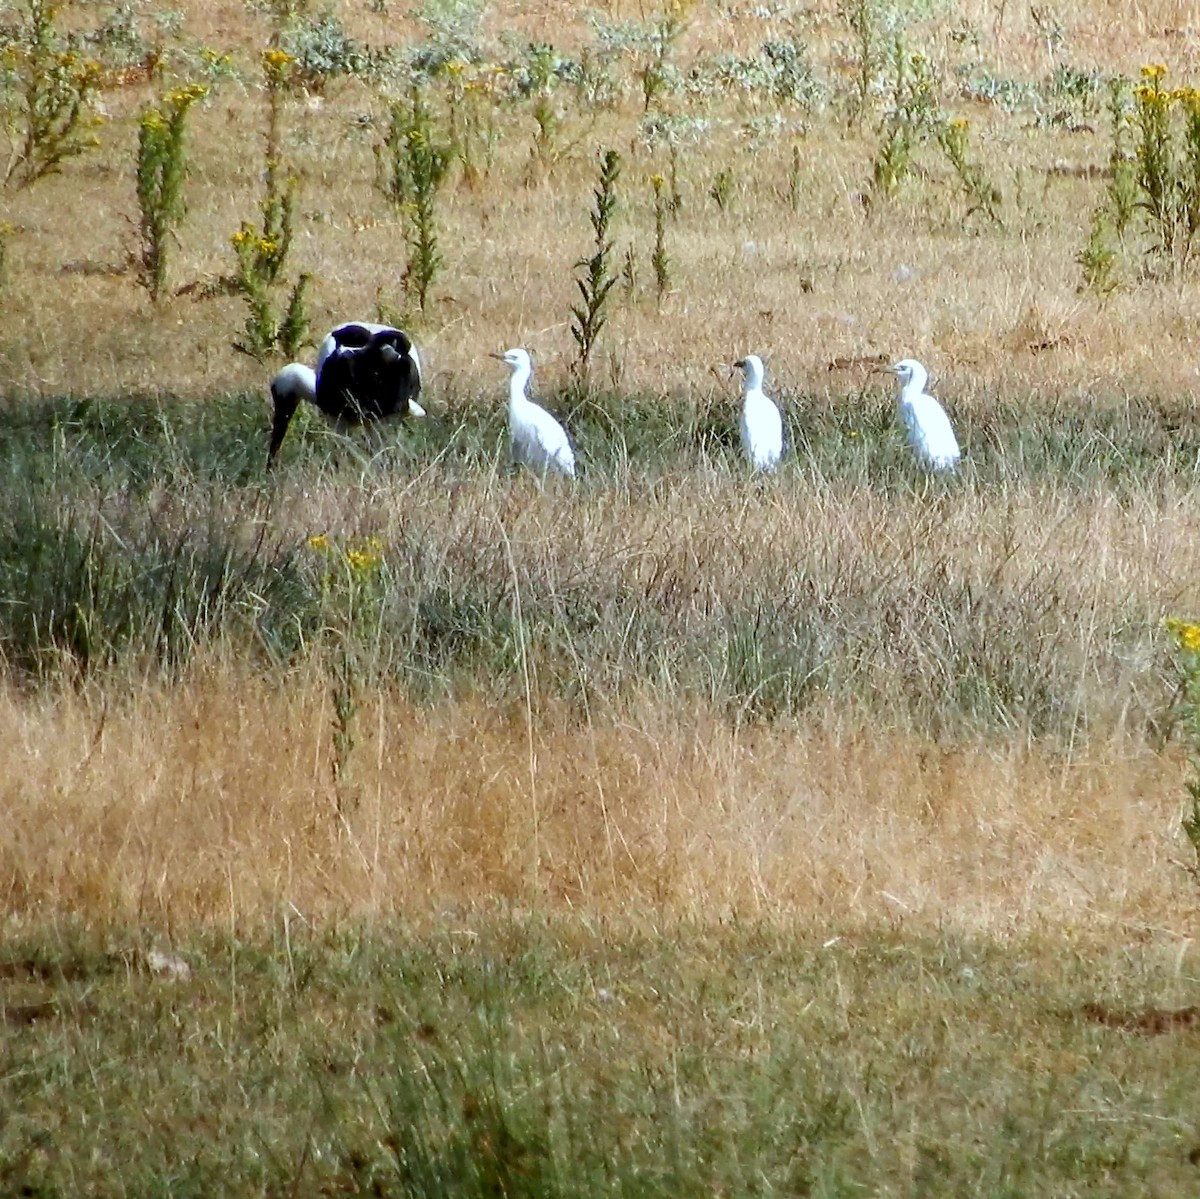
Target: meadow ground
x,y
679,832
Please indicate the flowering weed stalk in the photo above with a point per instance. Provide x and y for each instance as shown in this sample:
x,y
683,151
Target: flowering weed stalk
x,y
416,163
1187,646
262,252
161,170
910,116
591,313
659,258
1166,165
47,102
352,592
982,195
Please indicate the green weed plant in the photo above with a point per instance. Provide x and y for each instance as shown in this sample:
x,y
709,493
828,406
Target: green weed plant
x,y
161,171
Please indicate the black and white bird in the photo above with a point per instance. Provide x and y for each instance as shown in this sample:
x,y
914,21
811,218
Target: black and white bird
x,y
930,433
761,425
538,440
365,373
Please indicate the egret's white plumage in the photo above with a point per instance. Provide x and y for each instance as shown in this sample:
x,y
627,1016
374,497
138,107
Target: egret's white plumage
x,y
365,373
538,440
929,430
761,424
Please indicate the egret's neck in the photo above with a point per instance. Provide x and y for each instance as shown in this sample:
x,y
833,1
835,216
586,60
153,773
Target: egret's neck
x,y
517,384
915,386
753,384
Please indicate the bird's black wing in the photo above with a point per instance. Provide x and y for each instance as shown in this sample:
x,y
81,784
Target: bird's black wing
x,y
369,375
395,374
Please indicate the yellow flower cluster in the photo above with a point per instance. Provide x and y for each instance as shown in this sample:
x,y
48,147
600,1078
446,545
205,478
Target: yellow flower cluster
x,y
153,121
247,237
364,556
363,561
182,97
1153,72
275,63
1186,633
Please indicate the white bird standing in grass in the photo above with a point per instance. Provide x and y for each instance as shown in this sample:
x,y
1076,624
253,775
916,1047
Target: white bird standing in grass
x,y
538,440
929,430
761,424
365,373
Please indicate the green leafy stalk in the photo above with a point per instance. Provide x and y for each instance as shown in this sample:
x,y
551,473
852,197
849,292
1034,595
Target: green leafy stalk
x,y
161,170
590,314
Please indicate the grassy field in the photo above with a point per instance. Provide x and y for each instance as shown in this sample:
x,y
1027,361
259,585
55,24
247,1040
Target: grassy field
x,y
676,832
514,1057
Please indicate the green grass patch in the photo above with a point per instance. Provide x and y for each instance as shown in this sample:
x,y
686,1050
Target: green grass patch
x,y
517,1058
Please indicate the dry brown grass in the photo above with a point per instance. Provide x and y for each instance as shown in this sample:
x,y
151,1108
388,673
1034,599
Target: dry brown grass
x,y
977,300
211,800
213,803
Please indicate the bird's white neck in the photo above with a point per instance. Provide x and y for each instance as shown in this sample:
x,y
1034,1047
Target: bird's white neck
x,y
916,385
517,384
754,380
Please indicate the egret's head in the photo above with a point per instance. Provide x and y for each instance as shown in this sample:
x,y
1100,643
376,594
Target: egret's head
x,y
752,367
908,371
519,360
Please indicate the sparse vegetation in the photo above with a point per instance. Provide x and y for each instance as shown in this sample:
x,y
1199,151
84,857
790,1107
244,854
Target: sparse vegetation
x,y
814,799
48,92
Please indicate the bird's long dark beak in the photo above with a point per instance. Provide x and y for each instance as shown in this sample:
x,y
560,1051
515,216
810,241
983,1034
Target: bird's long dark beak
x,y
493,355
285,409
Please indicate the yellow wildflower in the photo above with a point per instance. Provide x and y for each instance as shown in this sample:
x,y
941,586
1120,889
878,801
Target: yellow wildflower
x,y
319,542
1154,71
1186,633
362,561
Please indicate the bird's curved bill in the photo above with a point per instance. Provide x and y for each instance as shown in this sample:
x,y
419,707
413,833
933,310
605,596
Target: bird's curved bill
x,y
493,354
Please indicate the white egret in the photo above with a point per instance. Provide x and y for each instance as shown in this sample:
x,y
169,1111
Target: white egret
x,y
365,373
538,440
929,430
761,424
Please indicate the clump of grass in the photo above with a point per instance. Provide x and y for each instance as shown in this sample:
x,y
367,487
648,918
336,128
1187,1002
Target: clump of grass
x,y
48,100
721,188
1098,259
161,171
591,313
